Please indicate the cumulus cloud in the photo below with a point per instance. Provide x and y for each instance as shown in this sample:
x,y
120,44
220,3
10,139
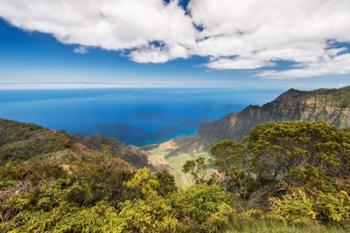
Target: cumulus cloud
x,y
261,32
337,65
108,24
232,34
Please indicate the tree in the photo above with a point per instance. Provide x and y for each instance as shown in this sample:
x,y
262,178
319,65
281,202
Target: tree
x,y
276,157
167,183
198,169
231,161
301,153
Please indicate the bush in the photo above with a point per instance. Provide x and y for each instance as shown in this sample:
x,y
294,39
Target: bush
x,y
299,207
220,220
295,207
333,208
152,216
208,206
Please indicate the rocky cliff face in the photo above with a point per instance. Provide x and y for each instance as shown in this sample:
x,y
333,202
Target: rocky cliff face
x,y
329,105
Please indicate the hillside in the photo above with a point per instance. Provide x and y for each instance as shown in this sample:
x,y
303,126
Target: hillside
x,y
129,153
54,182
22,141
329,105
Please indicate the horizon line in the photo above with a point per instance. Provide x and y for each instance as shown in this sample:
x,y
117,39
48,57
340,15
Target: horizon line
x,y
136,85
81,85
114,85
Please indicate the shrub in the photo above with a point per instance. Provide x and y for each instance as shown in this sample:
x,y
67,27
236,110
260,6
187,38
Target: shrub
x,y
299,206
220,220
152,216
295,207
208,206
333,207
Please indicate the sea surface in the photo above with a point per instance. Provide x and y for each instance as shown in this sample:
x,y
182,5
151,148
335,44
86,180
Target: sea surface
x,y
134,116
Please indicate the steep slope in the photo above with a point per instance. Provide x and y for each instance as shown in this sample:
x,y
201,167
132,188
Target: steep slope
x,y
329,105
22,141
128,153
32,156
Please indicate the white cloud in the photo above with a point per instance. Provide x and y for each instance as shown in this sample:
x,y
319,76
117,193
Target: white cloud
x,y
108,24
153,54
261,32
237,34
337,65
237,63
81,50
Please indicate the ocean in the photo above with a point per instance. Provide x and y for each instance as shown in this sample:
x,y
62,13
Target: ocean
x,y
138,116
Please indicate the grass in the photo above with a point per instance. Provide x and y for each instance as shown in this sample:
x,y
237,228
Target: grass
x,y
273,227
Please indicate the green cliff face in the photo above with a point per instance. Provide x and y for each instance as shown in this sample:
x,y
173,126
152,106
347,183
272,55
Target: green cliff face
x,y
329,105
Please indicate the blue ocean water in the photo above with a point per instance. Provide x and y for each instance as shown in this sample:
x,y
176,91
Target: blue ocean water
x,y
136,116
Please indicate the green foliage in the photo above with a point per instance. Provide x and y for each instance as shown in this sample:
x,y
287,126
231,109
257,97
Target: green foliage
x,y
299,154
289,150
268,226
231,161
24,149
229,156
62,187
300,207
152,216
296,207
310,176
65,218
10,173
12,131
80,193
97,177
221,220
46,195
333,207
100,218
143,184
198,169
166,183
209,207
282,163
13,170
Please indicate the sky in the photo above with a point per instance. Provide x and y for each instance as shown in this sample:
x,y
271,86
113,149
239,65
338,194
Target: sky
x,y
245,44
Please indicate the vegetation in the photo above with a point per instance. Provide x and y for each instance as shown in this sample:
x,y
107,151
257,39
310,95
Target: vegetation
x,y
283,177
163,157
294,172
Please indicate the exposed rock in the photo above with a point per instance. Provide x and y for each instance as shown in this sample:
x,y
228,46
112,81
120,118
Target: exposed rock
x,y
329,105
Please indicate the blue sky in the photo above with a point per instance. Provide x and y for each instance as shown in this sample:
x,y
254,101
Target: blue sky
x,y
200,50
38,57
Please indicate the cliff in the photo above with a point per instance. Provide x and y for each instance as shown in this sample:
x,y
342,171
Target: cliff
x,y
329,105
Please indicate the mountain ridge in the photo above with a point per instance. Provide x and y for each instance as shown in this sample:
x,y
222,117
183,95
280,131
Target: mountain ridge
x,y
24,141
329,105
